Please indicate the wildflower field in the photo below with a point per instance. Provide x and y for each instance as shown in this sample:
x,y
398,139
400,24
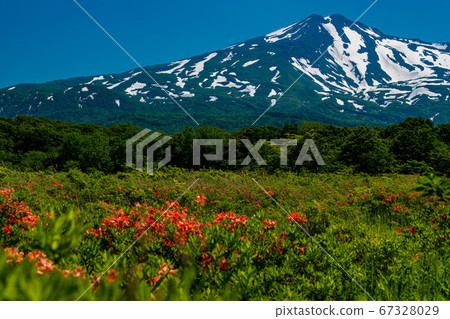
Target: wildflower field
x,y
129,236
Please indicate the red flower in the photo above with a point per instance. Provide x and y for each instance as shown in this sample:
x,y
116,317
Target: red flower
x,y
200,199
164,271
79,273
302,250
223,265
297,219
13,254
112,276
268,224
400,230
7,230
230,220
206,260
45,265
411,229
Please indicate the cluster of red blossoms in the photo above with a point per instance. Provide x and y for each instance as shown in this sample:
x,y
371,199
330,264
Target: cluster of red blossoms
x,y
297,219
164,272
17,213
410,228
145,218
230,220
224,264
43,264
269,224
442,217
200,199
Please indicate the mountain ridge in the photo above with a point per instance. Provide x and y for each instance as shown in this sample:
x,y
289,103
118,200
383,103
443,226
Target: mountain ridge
x,y
363,77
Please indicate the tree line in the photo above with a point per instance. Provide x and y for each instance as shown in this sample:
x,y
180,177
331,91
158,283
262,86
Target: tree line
x,y
413,146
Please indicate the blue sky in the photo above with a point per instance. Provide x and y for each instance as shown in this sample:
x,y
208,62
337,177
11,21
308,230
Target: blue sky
x,y
53,39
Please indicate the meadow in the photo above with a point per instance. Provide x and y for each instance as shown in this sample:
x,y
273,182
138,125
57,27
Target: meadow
x,y
223,239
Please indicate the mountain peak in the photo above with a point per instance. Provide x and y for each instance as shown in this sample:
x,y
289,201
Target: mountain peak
x,y
337,16
314,16
352,73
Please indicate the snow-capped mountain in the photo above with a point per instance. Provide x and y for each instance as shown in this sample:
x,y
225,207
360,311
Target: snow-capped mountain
x,y
352,74
365,63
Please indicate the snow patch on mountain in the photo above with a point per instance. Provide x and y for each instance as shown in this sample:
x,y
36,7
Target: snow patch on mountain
x,y
187,94
113,86
200,66
178,65
275,77
422,91
356,105
98,78
181,82
228,57
133,89
387,49
368,31
349,55
232,85
246,64
284,33
218,81
251,89
314,73
433,117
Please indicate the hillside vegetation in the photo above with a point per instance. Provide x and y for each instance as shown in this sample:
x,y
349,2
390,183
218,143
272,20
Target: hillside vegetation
x,y
414,146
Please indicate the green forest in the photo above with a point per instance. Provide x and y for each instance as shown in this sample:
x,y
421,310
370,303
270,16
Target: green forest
x,y
413,146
